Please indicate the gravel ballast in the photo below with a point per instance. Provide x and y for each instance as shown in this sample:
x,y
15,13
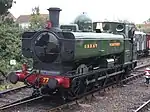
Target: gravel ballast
x,y
121,99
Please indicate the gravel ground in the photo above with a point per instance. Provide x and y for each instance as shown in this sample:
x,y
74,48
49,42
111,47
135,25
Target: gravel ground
x,y
143,61
121,99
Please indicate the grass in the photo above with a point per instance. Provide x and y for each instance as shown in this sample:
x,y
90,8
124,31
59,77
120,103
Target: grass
x,y
6,86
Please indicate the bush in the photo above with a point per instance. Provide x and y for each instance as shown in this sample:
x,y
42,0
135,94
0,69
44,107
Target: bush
x,y
10,46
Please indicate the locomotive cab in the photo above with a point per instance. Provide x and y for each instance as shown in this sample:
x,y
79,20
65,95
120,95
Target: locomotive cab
x,y
115,27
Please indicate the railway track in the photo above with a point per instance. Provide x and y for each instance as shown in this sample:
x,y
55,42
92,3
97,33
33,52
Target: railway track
x,y
144,107
12,90
89,95
58,106
20,102
14,96
99,92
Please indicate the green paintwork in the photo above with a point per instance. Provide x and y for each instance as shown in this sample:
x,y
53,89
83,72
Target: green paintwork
x,y
84,22
81,52
128,51
103,45
106,49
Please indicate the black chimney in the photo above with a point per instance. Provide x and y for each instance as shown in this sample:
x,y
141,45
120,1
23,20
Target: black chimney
x,y
54,16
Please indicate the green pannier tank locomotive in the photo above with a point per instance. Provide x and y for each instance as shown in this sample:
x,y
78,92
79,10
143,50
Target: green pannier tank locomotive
x,y
72,63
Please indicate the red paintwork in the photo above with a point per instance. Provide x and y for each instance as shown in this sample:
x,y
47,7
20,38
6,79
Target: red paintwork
x,y
24,68
62,81
148,41
49,25
147,72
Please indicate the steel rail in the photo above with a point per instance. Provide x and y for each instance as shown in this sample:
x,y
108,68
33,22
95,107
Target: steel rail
x,y
13,89
142,66
21,101
143,107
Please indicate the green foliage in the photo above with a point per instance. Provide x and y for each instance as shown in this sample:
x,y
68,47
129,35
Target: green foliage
x,y
4,6
10,40
139,26
10,45
36,21
148,20
9,21
146,30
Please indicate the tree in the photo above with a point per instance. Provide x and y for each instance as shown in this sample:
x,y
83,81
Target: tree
x,y
37,21
148,20
10,45
4,6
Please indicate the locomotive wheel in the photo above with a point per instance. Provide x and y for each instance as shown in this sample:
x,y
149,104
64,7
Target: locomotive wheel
x,y
78,87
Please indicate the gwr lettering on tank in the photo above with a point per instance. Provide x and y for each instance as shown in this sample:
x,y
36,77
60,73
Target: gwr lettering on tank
x,y
116,44
89,46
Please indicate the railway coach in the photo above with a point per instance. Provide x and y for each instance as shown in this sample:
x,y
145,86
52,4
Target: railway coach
x,y
141,41
148,41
